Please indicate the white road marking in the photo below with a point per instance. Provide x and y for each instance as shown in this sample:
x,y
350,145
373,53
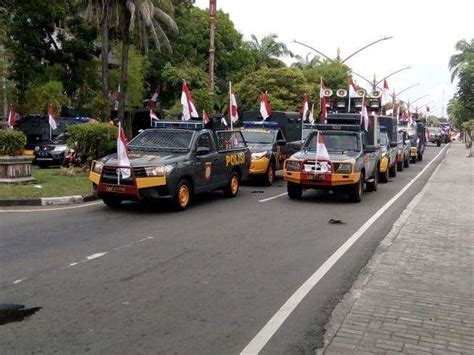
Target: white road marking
x,y
53,209
269,329
18,281
274,197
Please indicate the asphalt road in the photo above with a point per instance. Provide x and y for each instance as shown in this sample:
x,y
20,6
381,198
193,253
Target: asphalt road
x,y
142,279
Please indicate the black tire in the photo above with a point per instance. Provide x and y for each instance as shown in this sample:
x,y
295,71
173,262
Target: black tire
x,y
413,160
180,202
383,177
406,162
372,186
392,171
438,143
269,176
233,185
112,202
420,157
355,195
295,191
400,165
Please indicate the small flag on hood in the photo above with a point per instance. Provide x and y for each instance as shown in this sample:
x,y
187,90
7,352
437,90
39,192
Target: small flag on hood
x,y
153,117
205,117
265,109
122,156
321,151
189,110
51,120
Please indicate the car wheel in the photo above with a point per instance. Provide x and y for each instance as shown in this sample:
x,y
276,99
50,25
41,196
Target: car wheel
x,y
233,185
413,160
420,157
392,171
112,202
383,177
182,196
269,177
356,193
295,191
372,186
438,143
400,165
406,162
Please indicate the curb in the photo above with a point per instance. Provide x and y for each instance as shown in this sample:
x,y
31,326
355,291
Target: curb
x,y
50,201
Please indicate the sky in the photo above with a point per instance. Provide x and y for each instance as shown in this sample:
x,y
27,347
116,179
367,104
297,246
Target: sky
x,y
424,35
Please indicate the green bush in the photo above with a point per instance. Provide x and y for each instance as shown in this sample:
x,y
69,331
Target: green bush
x,y
11,142
468,126
92,140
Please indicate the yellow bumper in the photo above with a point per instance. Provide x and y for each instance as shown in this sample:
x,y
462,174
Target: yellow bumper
x,y
259,166
298,177
141,182
413,152
28,152
383,165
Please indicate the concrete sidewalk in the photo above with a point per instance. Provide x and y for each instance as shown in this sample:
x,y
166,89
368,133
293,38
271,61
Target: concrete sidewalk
x,y
416,295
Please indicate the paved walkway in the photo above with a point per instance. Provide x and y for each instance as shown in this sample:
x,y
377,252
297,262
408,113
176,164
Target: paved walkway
x,y
416,295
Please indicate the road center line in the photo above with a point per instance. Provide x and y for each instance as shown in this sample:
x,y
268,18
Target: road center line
x,y
274,197
271,327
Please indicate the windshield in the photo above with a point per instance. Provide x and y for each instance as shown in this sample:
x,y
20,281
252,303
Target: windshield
x,y
258,137
411,132
383,139
162,139
306,132
335,141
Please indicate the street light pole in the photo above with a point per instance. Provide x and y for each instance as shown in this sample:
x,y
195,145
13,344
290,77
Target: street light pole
x,y
366,46
389,75
418,99
212,49
313,49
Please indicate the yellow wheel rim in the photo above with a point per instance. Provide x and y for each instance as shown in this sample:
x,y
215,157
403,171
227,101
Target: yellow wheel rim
x,y
183,195
234,185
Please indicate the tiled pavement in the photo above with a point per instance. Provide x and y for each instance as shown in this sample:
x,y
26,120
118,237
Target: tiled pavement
x,y
416,295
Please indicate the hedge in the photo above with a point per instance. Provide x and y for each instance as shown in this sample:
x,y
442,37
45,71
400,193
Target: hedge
x,y
11,142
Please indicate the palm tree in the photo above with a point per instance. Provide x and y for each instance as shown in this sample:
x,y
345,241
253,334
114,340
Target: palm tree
x,y
151,15
465,55
268,50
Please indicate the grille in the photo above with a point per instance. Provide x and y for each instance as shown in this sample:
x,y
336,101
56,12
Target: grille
x,y
109,176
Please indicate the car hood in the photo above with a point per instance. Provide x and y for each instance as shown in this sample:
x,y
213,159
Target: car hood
x,y
146,158
256,148
334,156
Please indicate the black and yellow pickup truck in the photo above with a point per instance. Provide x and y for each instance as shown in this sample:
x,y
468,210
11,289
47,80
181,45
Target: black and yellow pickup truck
x,y
270,141
173,163
416,133
353,160
388,141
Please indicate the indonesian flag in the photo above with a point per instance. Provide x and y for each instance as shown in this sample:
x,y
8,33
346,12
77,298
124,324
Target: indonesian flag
x,y
153,116
122,157
321,151
304,107
265,109
188,107
156,94
234,115
410,119
205,117
11,117
364,118
352,88
52,122
324,111
223,121
385,92
311,115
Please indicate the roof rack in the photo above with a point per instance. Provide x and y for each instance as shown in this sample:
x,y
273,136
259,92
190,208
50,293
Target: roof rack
x,y
338,127
260,124
192,125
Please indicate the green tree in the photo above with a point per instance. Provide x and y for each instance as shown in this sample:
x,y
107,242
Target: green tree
x,y
465,55
268,50
285,87
334,75
40,96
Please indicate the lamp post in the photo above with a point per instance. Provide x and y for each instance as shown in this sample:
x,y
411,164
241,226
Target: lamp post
x,y
375,83
418,99
338,59
212,49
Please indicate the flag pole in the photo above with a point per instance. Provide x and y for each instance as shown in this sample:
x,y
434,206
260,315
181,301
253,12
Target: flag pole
x,y
118,169
230,105
316,157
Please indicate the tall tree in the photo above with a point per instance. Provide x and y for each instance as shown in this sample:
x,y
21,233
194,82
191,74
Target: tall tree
x,y
268,50
152,16
465,55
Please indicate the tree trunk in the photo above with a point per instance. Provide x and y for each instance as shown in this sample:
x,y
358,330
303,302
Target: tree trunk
x,y
124,65
104,24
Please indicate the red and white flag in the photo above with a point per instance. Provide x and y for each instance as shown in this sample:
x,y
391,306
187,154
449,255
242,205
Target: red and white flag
x,y
265,109
385,92
51,120
311,114
234,115
364,117
189,110
321,151
324,110
205,117
304,107
352,88
153,116
11,117
410,118
122,156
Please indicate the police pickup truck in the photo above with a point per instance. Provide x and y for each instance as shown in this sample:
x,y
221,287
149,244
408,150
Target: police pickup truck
x,y
417,135
388,140
173,162
354,159
268,141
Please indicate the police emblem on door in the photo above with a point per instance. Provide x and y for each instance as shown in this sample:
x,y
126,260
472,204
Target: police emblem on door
x,y
207,170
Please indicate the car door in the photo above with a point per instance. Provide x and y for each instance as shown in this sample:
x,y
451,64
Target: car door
x,y
281,151
206,159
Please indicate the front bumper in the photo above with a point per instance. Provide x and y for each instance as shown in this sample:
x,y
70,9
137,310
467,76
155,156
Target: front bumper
x,y
413,152
383,167
259,166
321,180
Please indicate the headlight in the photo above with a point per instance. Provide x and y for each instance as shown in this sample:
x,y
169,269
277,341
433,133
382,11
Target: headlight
x,y
293,165
260,155
60,148
343,168
159,170
97,167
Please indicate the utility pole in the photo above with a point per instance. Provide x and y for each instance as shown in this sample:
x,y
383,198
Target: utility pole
x,y
212,49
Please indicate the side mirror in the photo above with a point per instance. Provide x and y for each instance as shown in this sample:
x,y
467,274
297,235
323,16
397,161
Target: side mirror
x,y
393,144
370,149
281,142
200,151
